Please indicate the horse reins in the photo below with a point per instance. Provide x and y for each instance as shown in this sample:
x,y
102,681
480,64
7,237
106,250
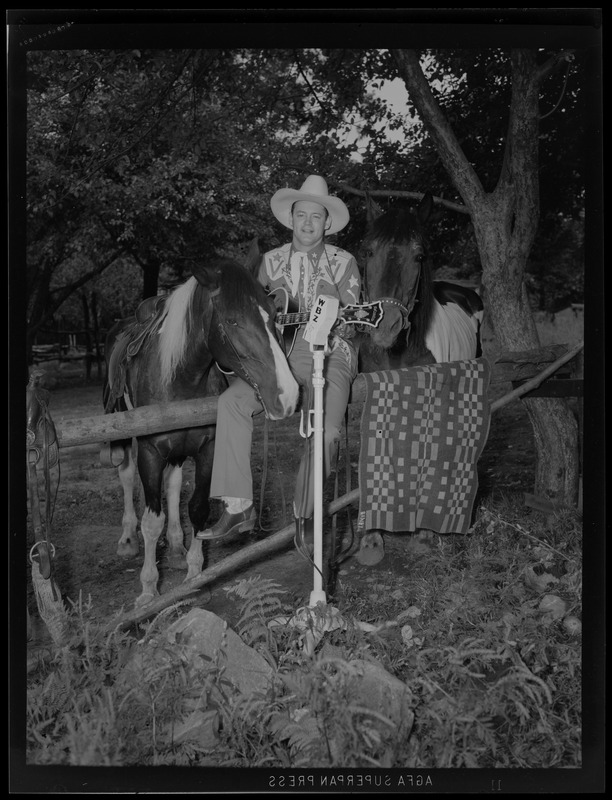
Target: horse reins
x,y
406,311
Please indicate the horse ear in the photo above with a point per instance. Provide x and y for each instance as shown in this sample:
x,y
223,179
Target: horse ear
x,y
209,275
425,207
253,256
373,210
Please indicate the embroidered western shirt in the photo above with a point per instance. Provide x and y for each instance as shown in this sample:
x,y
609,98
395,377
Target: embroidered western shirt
x,y
325,270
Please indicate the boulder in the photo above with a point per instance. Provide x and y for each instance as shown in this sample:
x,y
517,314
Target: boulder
x,y
208,637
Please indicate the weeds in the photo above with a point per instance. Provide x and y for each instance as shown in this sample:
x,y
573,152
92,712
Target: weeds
x,y
491,680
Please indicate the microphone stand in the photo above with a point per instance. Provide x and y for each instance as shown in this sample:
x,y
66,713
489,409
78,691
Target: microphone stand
x,y
318,616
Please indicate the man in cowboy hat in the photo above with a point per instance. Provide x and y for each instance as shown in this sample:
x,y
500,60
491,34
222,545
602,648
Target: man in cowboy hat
x,y
303,268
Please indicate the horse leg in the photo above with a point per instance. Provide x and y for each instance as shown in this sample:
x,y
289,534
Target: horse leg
x,y
127,545
151,526
173,479
199,507
151,468
195,558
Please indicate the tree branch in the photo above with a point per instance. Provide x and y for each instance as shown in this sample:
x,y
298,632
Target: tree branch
x,y
61,294
564,58
345,187
130,146
457,166
401,193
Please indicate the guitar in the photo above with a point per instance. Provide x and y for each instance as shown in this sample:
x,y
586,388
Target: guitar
x,y
288,315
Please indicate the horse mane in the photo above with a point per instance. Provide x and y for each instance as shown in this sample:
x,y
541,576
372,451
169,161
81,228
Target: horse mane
x,y
423,311
397,225
236,288
175,323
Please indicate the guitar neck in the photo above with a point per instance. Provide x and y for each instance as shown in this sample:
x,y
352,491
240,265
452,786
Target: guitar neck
x,y
366,314
293,318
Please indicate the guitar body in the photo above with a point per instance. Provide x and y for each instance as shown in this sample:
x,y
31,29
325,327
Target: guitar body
x,y
286,305
290,317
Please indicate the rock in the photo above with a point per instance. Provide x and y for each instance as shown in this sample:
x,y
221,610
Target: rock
x,y
380,691
552,607
539,583
369,687
209,638
200,726
205,640
572,625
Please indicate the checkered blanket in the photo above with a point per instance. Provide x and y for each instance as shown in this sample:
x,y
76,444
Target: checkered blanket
x,y
422,432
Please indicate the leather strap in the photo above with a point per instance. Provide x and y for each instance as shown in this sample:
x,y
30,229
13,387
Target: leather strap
x,y
41,442
264,477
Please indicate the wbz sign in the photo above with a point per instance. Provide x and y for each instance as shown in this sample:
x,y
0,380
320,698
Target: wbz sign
x,y
322,318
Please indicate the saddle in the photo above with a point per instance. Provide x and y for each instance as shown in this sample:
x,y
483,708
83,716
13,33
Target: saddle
x,y
129,342
149,309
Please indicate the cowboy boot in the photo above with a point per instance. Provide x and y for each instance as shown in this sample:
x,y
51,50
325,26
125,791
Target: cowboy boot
x,y
228,523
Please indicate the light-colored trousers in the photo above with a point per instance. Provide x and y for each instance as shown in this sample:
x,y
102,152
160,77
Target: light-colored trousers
x,y
231,475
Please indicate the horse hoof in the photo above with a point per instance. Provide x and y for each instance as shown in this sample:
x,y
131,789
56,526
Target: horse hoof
x,y
371,550
127,549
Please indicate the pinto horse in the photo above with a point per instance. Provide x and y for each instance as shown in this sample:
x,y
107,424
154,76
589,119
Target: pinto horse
x,y
180,347
424,321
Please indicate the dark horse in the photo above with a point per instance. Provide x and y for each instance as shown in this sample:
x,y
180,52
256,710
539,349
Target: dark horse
x,y
172,350
424,321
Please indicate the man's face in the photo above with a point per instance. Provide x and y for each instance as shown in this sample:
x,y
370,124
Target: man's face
x,y
310,221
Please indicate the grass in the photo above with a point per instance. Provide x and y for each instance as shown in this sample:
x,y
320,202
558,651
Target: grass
x,y
493,680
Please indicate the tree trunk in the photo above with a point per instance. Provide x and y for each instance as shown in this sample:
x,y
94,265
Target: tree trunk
x,y
505,222
556,438
150,279
554,425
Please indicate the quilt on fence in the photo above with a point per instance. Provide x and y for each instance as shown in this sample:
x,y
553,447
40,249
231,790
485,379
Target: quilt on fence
x,y
423,430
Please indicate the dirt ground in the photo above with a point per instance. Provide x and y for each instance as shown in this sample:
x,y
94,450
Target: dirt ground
x,y
86,523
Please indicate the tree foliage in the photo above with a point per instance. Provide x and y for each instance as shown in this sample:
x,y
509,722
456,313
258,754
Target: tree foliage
x,y
146,159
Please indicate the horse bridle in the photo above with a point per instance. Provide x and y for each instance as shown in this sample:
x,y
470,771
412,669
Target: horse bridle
x,y
406,311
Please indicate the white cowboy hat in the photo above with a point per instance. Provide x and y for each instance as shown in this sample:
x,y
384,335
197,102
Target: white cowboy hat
x,y
314,189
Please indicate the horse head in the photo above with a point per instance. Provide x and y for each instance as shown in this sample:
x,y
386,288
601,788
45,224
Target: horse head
x,y
395,269
242,335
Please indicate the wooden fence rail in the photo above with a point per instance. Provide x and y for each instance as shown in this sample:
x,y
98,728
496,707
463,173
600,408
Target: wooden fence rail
x,y
530,369
255,552
525,371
